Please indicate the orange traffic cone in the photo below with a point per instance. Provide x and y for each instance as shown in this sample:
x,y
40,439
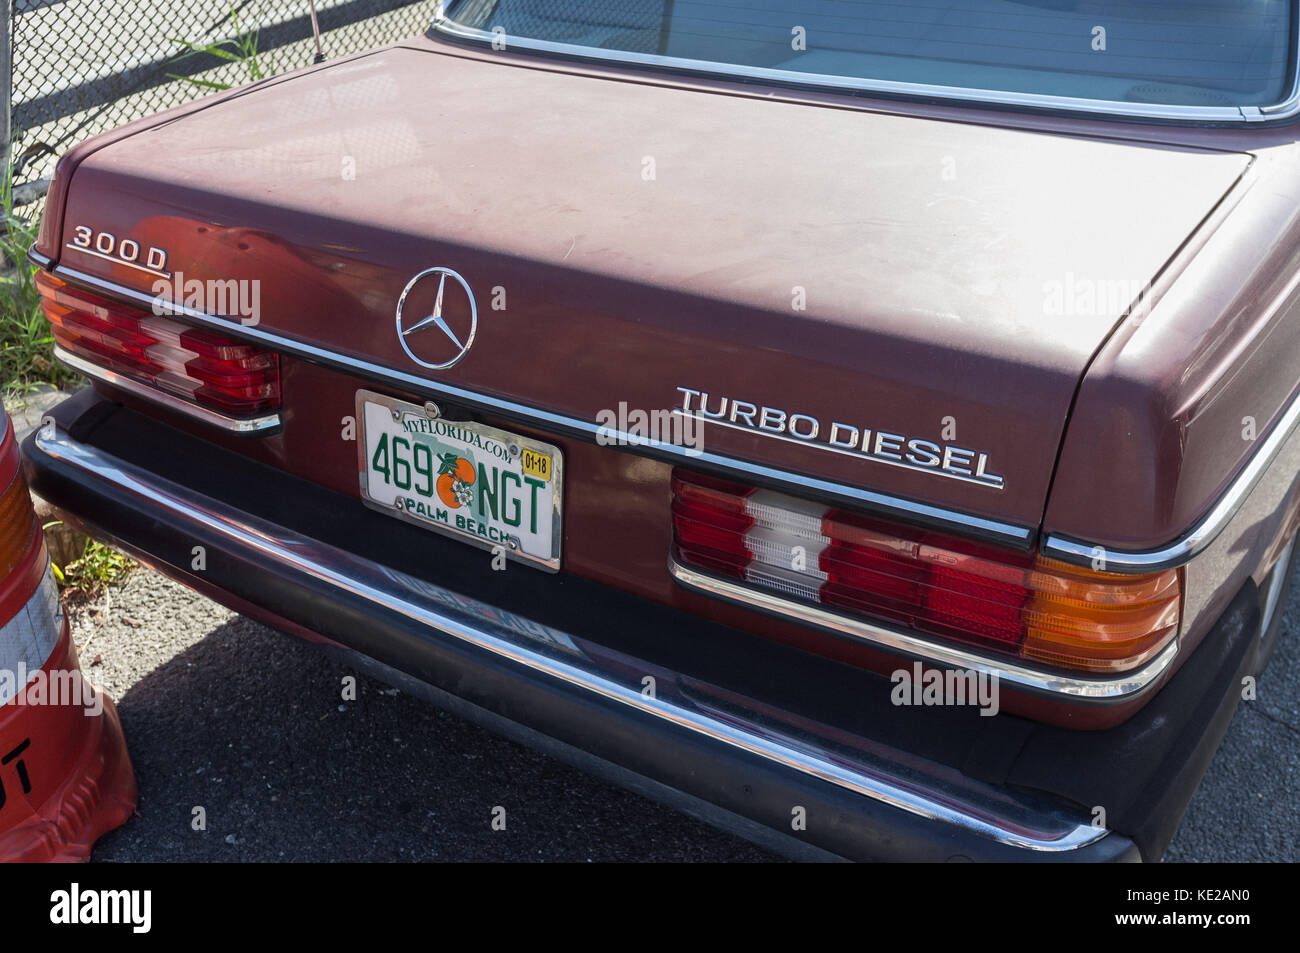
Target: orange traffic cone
x,y
65,775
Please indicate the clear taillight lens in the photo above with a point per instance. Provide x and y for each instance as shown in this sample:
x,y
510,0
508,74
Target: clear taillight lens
x,y
203,367
952,589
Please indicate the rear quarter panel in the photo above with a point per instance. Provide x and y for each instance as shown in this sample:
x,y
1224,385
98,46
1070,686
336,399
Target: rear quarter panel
x,y
1186,390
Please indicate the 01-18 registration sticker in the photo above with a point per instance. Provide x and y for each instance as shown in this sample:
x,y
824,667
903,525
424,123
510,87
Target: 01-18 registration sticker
x,y
484,485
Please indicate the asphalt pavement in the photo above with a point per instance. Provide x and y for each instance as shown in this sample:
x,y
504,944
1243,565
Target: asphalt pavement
x,y
250,726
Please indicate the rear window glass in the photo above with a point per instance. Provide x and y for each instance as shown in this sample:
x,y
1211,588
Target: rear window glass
x,y
1194,53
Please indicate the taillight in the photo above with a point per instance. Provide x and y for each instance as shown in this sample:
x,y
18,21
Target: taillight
x,y
711,524
955,590
198,366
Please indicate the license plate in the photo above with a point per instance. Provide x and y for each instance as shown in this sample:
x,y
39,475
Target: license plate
x,y
486,486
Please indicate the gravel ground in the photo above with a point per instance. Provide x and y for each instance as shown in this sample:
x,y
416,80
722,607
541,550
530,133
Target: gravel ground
x,y
224,714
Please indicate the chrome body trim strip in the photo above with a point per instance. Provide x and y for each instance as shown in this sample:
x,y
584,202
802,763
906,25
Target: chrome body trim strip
x,y
1119,688
1289,106
233,424
1069,550
1008,534
39,260
1203,533
924,789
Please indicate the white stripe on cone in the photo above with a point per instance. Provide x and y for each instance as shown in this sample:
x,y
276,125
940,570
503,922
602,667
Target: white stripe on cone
x,y
27,639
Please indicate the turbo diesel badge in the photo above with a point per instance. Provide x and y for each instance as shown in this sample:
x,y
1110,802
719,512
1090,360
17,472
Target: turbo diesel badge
x,y
879,446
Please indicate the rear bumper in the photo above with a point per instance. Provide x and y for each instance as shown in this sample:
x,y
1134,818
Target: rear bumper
x,y
740,732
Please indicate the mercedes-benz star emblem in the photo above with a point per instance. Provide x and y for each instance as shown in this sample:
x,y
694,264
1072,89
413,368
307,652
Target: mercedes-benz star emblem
x,y
456,339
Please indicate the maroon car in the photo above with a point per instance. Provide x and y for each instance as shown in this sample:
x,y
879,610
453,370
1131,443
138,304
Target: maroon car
x,y
869,427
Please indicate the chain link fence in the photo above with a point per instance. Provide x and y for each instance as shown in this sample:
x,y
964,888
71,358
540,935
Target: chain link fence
x,y
79,67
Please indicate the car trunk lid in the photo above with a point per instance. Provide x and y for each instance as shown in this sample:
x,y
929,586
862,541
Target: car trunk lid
x,y
632,245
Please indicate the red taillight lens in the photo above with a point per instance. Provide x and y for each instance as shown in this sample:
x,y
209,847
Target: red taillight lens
x,y
953,589
200,366
956,589
710,521
870,570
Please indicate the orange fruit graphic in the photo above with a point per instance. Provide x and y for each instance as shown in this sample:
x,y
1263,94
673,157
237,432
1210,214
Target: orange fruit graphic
x,y
454,478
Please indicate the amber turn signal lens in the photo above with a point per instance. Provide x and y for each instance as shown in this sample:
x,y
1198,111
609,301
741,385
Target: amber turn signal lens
x,y
1099,621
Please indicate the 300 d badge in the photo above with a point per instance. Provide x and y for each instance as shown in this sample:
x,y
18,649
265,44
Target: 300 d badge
x,y
126,251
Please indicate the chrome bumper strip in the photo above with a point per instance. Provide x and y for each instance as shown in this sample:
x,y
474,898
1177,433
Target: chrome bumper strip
x,y
1115,689
1274,586
944,795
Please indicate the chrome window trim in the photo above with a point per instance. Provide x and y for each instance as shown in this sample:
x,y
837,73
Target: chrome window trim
x,y
516,641
1203,533
1118,688
1285,109
250,425
1008,534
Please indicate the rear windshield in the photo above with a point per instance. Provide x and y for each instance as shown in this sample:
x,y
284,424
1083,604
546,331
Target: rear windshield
x,y
1168,52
